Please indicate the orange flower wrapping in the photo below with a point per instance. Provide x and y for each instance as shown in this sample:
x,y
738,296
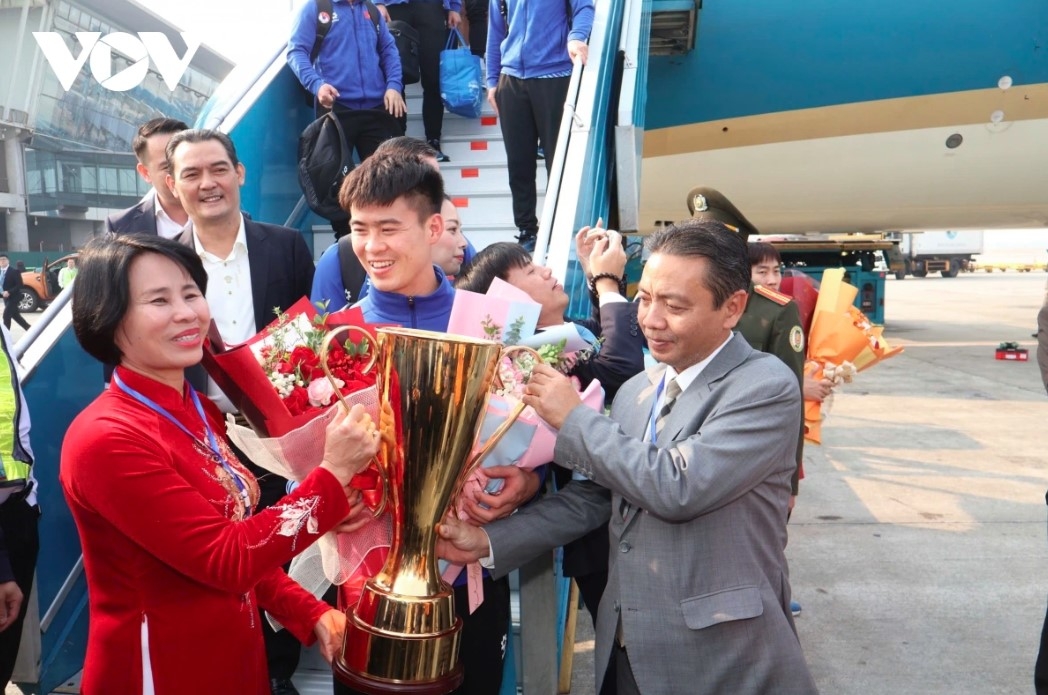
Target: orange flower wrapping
x,y
840,334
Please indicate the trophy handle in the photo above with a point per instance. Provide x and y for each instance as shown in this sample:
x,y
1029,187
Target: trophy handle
x,y
325,346
500,432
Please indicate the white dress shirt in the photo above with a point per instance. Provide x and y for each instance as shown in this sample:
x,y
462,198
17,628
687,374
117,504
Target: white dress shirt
x,y
165,226
230,299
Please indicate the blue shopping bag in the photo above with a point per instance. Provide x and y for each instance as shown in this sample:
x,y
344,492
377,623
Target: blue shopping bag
x,y
461,78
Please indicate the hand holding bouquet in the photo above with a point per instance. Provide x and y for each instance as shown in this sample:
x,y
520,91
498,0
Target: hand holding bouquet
x,y
279,382
509,315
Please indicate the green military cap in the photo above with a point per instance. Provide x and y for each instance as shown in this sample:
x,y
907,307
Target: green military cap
x,y
710,204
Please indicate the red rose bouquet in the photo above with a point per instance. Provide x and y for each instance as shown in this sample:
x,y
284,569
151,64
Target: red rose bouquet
x,y
279,383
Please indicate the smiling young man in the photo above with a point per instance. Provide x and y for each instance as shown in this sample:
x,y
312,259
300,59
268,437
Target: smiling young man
x,y
252,268
394,204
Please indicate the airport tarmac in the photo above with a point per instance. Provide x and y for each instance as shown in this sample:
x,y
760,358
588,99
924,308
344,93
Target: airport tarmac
x,y
918,547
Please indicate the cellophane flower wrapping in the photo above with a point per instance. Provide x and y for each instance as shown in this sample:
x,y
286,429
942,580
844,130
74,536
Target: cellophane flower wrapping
x,y
842,341
529,442
276,381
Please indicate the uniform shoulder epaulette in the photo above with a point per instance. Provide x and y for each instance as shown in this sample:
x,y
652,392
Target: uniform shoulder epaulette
x,y
768,293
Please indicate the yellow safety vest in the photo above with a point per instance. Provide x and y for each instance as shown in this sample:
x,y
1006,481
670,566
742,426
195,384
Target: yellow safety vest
x,y
15,461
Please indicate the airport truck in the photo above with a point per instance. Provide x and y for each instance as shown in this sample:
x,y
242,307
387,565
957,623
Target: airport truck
x,y
945,252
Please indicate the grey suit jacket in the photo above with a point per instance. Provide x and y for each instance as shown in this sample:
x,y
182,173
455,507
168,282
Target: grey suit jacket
x,y
697,571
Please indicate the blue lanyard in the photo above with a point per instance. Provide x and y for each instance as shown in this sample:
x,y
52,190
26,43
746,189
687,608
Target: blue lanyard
x,y
212,441
654,404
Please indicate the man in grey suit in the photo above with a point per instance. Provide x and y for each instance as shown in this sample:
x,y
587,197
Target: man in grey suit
x,y
693,470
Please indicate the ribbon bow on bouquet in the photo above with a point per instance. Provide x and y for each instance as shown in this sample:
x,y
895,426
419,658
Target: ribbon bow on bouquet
x,y
842,342
278,381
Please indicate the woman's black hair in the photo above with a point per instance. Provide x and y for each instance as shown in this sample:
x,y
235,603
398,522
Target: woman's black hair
x,y
102,294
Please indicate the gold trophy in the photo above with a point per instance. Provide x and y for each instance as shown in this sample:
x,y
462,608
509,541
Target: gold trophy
x,y
403,634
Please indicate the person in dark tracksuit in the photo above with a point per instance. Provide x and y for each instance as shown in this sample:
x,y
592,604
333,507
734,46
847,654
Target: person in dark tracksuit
x,y
532,45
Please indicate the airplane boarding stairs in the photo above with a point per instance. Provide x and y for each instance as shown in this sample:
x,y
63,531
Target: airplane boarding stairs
x,y
476,178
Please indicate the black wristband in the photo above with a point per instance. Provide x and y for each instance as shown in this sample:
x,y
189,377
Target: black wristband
x,y
604,276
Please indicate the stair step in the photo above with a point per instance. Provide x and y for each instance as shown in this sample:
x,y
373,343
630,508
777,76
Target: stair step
x,y
453,125
476,177
414,105
486,209
470,179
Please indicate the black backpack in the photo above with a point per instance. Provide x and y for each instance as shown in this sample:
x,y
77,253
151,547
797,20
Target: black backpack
x,y
403,33
353,274
324,160
407,46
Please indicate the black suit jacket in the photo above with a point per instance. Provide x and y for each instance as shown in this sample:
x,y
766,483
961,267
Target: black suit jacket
x,y
137,219
12,280
281,267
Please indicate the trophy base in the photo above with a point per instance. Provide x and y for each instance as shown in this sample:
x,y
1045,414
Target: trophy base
x,y
371,685
378,661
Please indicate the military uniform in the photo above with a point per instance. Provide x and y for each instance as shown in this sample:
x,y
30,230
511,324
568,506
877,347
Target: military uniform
x,y
772,324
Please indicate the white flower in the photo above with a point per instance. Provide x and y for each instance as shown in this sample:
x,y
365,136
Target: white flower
x,y
284,384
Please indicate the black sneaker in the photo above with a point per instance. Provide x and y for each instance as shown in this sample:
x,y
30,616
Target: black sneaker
x,y
441,157
526,238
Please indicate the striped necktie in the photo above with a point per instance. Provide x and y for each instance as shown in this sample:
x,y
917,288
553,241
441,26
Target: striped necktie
x,y
672,391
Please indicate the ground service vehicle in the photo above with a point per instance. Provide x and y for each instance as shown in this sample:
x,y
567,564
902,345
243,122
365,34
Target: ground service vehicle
x,y
40,286
858,255
946,252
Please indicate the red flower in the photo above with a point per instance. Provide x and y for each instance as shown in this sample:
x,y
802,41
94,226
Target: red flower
x,y
306,362
354,384
297,401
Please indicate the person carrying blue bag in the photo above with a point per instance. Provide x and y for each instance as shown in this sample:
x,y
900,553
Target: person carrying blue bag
x,y
461,78
532,45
